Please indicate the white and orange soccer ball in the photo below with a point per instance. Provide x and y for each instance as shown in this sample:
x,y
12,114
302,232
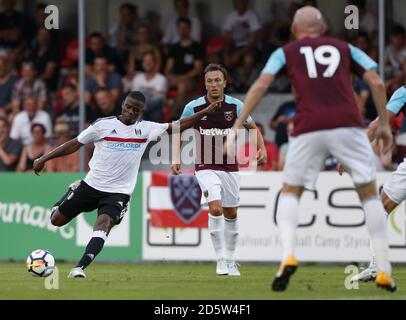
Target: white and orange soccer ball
x,y
40,263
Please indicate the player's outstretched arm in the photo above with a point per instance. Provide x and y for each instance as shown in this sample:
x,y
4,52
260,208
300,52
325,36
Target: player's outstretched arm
x,y
189,122
262,157
383,132
176,145
254,95
63,150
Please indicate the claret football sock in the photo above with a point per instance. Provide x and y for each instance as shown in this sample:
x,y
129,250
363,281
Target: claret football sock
x,y
93,248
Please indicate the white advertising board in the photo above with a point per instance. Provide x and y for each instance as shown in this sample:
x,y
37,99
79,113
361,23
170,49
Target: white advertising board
x,y
331,224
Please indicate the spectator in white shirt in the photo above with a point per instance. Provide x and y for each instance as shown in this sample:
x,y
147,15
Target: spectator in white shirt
x,y
21,128
153,85
171,35
241,33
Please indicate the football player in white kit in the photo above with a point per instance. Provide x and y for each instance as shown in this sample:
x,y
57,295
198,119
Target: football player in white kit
x,y
119,145
217,175
394,190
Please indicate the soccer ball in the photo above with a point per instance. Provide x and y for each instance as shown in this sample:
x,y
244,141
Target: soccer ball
x,y
40,263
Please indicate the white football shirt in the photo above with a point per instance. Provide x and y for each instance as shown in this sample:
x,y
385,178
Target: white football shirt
x,y
118,151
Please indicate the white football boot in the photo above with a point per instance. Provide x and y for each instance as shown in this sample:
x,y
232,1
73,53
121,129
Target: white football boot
x,y
77,273
232,267
221,268
366,275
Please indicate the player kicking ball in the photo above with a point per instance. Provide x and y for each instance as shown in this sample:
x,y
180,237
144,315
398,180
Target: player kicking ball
x,y
216,173
327,121
394,190
119,145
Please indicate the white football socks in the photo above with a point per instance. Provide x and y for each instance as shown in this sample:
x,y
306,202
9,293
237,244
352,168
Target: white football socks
x,y
231,237
287,218
216,230
377,228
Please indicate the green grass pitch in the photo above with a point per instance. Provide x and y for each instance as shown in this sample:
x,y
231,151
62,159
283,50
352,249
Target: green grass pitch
x,y
188,281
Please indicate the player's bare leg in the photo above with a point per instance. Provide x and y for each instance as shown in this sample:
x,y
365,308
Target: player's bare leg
x,y
231,239
57,218
287,217
376,224
101,229
216,230
369,273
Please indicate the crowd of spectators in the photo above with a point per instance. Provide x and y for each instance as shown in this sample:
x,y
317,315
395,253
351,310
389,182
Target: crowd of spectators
x,y
39,101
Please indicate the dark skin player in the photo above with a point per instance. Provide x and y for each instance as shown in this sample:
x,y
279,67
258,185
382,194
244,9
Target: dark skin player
x,y
132,109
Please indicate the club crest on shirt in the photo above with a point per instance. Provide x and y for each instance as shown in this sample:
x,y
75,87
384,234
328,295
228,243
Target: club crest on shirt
x,y
228,115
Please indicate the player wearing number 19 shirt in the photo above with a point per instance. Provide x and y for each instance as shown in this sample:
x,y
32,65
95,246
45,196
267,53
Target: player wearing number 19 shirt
x,y
327,121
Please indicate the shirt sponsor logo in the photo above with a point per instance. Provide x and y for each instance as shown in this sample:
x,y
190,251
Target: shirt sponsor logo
x,y
215,131
124,144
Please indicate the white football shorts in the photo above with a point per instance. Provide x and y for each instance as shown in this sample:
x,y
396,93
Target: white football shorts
x,y
220,185
395,187
307,153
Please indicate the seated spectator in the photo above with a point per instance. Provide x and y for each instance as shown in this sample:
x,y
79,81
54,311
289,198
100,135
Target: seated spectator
x,y
69,113
97,48
184,66
101,77
153,85
69,163
10,149
45,58
70,75
28,86
247,155
395,59
16,30
363,42
7,82
242,34
171,35
123,34
244,75
280,120
36,149
21,127
143,45
105,106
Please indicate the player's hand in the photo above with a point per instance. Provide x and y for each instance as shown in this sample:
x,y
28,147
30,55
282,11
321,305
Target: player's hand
x,y
215,106
384,138
340,168
176,169
229,144
38,166
262,157
373,126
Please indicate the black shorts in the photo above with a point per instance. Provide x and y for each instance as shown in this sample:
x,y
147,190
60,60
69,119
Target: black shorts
x,y
86,199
